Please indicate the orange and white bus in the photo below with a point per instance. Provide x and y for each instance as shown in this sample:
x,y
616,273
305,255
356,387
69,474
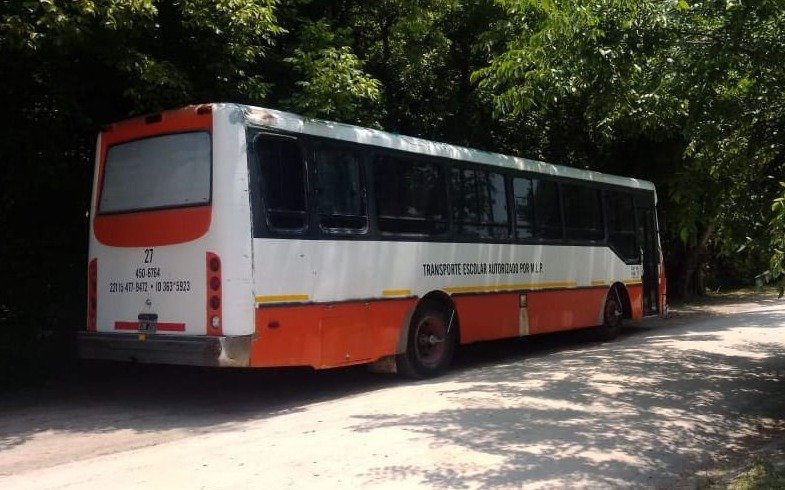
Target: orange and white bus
x,y
230,235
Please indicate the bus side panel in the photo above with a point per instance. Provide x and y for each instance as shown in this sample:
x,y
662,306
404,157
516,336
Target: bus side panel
x,y
330,335
230,234
387,319
286,336
487,316
553,311
635,291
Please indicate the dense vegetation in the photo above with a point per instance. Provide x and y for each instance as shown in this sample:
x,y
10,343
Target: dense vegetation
x,y
688,94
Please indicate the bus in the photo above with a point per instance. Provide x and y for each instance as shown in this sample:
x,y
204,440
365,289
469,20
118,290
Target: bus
x,y
230,235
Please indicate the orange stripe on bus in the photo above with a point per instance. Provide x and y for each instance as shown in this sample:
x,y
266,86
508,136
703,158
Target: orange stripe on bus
x,y
162,327
154,227
565,310
324,336
331,335
636,301
496,316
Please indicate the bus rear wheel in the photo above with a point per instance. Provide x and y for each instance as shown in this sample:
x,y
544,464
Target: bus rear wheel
x,y
430,343
611,317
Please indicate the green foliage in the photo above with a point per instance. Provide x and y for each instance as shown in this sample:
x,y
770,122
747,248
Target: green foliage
x,y
335,87
761,475
688,94
69,67
332,84
706,76
778,240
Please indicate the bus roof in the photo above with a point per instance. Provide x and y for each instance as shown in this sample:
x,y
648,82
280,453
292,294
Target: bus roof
x,y
271,118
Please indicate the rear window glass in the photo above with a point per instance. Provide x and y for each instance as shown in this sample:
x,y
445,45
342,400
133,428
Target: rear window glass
x,y
160,172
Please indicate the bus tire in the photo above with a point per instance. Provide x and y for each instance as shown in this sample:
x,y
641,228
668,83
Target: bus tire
x,y
611,317
430,343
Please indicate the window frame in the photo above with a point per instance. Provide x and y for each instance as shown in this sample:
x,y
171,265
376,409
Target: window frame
x,y
367,153
441,165
489,224
262,193
105,157
603,228
362,163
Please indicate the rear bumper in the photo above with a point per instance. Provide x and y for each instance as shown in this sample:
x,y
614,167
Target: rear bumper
x,y
194,350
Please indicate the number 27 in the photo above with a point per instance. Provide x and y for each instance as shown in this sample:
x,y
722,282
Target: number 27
x,y
148,255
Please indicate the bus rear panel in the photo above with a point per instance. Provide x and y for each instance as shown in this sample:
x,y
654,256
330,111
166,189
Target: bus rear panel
x,y
168,255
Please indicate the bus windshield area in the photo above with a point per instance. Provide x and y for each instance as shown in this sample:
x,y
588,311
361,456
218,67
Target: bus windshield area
x,y
166,171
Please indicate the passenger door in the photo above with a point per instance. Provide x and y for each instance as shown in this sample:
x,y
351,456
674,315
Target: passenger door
x,y
645,215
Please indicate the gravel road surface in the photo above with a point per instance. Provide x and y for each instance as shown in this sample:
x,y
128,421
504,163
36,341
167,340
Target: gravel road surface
x,y
668,399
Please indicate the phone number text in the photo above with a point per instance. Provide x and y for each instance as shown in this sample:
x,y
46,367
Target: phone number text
x,y
182,286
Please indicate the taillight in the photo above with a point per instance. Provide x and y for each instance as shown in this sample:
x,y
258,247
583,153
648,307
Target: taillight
x,y
214,320
92,294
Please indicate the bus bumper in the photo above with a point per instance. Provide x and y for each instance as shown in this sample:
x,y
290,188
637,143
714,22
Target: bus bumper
x,y
193,350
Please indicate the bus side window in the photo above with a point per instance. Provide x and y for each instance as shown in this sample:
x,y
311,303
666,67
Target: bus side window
x,y
410,195
621,225
582,213
340,200
479,203
547,215
497,206
283,181
523,195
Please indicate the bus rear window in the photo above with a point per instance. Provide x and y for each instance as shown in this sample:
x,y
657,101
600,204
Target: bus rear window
x,y
166,171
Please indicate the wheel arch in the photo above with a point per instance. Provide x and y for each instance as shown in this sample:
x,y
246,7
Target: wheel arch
x,y
436,296
624,298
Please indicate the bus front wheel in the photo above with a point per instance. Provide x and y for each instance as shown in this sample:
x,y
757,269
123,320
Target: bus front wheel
x,y
430,343
611,317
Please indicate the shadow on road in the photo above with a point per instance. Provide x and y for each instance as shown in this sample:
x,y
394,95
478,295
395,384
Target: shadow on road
x,y
571,411
104,397
649,409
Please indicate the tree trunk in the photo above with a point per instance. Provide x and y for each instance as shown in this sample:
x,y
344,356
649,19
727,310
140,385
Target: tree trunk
x,y
694,260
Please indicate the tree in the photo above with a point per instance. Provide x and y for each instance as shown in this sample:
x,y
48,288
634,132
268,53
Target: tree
x,y
778,240
704,77
331,82
69,67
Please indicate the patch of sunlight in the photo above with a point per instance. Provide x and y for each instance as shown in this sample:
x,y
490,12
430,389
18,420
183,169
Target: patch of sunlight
x,y
542,403
631,380
612,456
577,482
465,458
718,347
731,344
684,418
609,389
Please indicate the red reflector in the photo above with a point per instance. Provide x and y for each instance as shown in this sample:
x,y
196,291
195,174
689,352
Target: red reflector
x,y
92,294
213,324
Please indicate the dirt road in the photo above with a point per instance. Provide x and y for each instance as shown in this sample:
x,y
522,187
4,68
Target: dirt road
x,y
668,399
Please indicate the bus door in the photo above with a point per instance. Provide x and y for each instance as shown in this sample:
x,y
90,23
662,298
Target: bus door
x,y
646,220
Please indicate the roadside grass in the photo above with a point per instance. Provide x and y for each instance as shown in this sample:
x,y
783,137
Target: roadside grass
x,y
763,473
729,296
